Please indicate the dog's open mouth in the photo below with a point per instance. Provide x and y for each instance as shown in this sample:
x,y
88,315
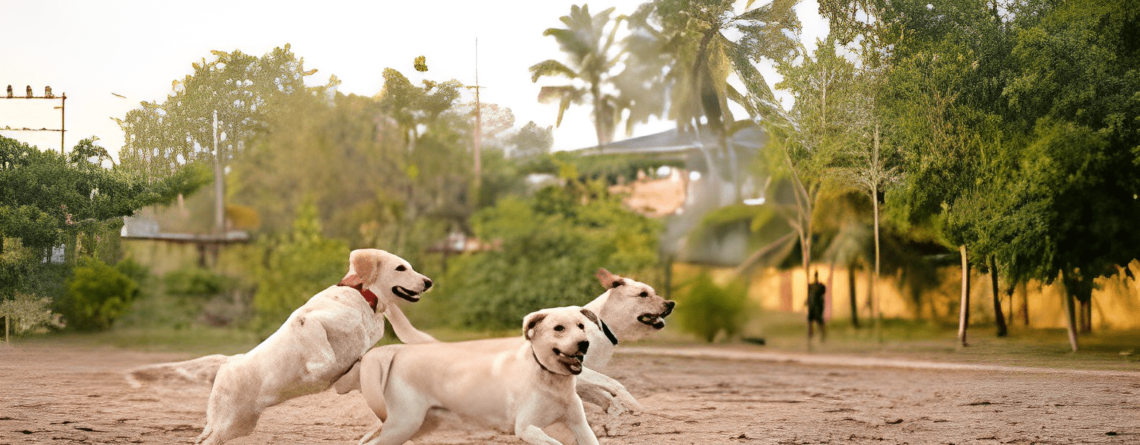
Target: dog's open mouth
x,y
657,321
406,293
573,363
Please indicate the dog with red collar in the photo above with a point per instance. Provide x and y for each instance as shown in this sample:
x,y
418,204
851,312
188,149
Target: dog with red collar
x,y
317,345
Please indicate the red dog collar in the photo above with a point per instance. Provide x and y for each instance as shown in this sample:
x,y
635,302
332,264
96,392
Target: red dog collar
x,y
367,294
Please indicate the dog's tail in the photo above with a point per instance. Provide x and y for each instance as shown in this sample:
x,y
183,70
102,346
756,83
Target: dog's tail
x,y
375,368
199,371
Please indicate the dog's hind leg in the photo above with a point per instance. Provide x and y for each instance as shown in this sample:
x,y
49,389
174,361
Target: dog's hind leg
x,y
349,381
371,435
233,408
398,430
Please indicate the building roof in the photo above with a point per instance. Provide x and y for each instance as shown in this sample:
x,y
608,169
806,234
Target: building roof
x,y
676,142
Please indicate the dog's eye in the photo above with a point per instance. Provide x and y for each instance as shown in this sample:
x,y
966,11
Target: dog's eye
x,y
643,294
559,328
581,326
401,268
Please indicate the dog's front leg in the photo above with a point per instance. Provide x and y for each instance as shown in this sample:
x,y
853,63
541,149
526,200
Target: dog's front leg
x,y
576,419
404,329
535,436
602,390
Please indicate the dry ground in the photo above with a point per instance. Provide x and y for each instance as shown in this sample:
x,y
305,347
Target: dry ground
x,y
68,393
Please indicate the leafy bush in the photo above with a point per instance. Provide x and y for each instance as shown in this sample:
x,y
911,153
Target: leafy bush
x,y
97,294
134,270
25,313
550,246
194,281
296,266
711,309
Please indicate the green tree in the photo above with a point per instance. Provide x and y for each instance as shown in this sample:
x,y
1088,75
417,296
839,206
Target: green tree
x,y
592,57
805,140
296,266
1073,89
555,239
24,313
162,138
211,116
531,141
684,47
45,201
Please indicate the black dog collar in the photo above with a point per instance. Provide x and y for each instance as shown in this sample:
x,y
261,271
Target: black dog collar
x,y
609,334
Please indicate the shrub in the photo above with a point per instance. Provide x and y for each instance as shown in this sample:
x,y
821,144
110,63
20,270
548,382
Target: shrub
x,y
25,313
98,294
550,246
711,309
194,282
296,266
134,270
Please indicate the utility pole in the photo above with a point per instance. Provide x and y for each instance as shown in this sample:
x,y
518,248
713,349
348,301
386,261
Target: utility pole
x,y
478,128
219,184
62,121
47,95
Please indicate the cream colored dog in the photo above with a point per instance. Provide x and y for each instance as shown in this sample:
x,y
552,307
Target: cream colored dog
x,y
628,310
521,389
317,345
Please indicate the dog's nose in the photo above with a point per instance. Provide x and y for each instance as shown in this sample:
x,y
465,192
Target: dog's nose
x,y
583,346
427,283
669,307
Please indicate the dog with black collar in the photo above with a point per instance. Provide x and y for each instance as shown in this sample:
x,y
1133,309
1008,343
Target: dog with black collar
x,y
628,311
521,389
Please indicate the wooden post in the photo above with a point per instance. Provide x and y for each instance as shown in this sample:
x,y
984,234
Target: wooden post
x,y
1071,318
964,313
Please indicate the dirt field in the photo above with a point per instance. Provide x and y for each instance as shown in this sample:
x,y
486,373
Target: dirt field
x,y
52,393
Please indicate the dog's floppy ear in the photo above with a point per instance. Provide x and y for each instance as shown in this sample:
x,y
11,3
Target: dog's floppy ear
x,y
593,317
531,321
608,280
363,266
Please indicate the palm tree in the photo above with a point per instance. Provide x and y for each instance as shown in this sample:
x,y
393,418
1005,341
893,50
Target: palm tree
x,y
590,47
705,44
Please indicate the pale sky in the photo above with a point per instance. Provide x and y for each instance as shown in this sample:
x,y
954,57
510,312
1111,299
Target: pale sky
x,y
91,49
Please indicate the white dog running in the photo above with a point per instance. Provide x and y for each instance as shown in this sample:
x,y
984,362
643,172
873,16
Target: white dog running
x,y
520,390
317,344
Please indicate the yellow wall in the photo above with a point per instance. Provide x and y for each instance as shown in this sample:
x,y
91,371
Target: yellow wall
x,y
1115,303
162,257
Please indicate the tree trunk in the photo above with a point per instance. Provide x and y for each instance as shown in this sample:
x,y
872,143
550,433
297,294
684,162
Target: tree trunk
x,y
999,317
851,293
1025,303
1086,316
1071,318
964,311
6,317
875,278
1009,295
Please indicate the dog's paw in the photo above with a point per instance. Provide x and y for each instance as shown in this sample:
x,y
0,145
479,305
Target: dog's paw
x,y
626,402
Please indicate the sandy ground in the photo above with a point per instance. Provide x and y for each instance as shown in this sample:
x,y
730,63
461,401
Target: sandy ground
x,y
53,393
